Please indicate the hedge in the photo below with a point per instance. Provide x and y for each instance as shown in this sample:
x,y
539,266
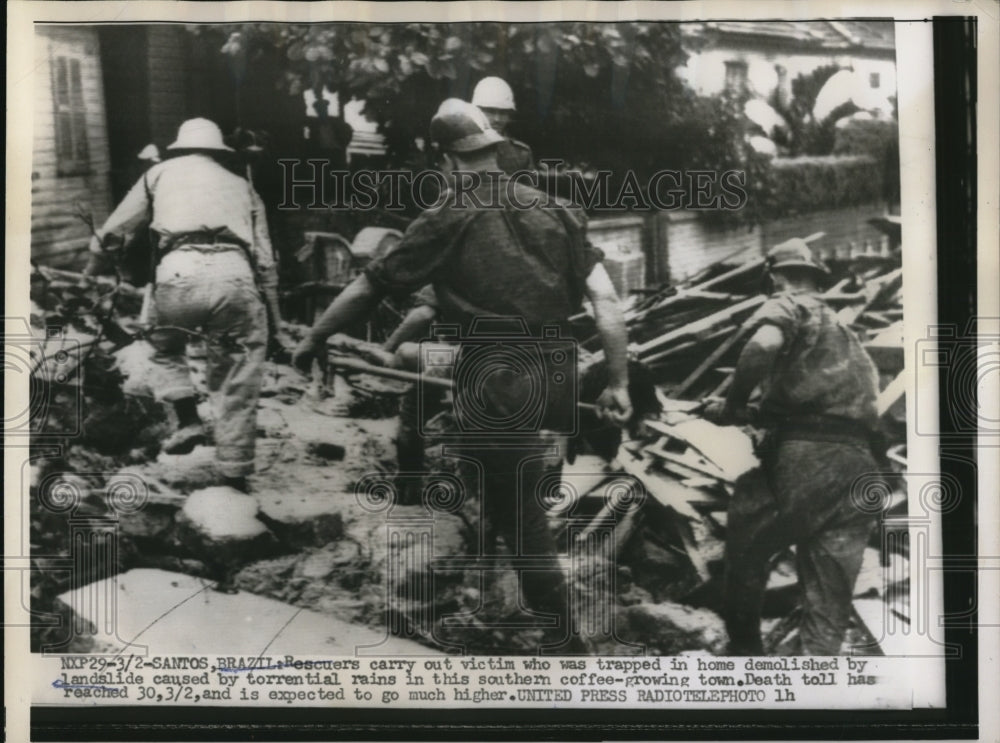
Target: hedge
x,y
805,184
876,139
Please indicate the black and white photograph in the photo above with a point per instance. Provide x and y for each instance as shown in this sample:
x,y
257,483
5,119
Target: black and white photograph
x,y
413,360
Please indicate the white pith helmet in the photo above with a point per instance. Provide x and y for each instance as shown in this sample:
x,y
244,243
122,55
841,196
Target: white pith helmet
x,y
199,134
495,93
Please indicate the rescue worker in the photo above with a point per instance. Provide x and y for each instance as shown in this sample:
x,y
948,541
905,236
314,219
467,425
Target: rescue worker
x,y
494,98
819,388
521,267
215,279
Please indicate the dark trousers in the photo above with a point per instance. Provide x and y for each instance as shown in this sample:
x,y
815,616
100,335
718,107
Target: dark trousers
x,y
416,407
513,477
800,495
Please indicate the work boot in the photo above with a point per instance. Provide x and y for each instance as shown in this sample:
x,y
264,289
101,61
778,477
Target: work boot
x,y
184,440
190,431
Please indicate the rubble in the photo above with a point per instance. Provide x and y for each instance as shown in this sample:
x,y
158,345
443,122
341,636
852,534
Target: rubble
x,y
689,336
670,629
304,539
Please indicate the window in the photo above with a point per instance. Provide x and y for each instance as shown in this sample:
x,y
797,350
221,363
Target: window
x,y
72,151
736,76
874,79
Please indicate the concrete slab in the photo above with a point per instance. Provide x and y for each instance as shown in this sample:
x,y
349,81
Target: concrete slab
x,y
176,614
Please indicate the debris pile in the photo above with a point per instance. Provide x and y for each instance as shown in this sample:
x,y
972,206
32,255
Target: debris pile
x,y
689,336
650,514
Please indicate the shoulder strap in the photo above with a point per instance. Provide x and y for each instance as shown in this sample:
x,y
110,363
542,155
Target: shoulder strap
x,y
251,251
154,239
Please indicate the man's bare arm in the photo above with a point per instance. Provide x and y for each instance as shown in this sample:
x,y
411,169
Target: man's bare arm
x,y
415,325
352,305
755,362
614,402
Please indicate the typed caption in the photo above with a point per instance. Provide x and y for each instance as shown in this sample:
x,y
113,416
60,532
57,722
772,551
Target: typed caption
x,y
456,681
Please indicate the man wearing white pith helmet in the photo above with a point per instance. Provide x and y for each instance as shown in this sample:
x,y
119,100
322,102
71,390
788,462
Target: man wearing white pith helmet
x,y
494,98
215,279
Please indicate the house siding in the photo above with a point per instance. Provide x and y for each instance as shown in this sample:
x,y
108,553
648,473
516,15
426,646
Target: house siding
x,y
58,235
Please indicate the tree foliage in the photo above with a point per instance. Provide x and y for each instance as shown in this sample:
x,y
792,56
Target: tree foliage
x,y
804,135
594,94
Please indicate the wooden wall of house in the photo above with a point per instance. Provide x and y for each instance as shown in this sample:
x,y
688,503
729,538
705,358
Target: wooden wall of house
x,y
167,70
58,235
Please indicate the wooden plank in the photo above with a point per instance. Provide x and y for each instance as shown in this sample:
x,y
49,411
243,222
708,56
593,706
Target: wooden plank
x,y
700,326
691,461
584,477
722,278
627,527
893,392
723,386
604,517
664,490
697,560
709,361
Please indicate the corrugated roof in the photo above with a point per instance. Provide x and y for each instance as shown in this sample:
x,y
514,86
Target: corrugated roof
x,y
840,34
869,34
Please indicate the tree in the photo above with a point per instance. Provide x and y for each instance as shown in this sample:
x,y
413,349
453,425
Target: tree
x,y
595,94
804,135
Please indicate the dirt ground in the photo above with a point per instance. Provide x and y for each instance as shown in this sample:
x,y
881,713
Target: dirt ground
x,y
335,544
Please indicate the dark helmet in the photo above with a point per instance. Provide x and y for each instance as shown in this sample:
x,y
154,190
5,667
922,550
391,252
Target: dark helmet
x,y
794,253
458,126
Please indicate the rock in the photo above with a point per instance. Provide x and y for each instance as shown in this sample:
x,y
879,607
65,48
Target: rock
x,y
710,547
299,533
268,577
75,633
153,520
326,562
669,628
219,526
142,375
223,513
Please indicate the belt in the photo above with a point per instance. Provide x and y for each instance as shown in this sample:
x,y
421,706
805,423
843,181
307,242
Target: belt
x,y
200,238
821,426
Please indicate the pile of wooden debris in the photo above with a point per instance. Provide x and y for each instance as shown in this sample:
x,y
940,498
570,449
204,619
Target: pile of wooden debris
x,y
689,336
